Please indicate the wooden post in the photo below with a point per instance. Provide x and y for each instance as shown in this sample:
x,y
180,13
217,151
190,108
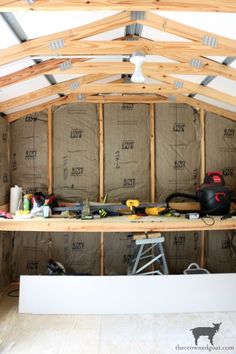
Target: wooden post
x,y
152,161
101,177
101,151
202,146
152,153
202,249
50,150
202,175
102,271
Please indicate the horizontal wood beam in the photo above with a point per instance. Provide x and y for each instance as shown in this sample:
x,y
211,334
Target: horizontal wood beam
x,y
73,98
117,47
46,44
167,5
218,68
86,85
116,224
81,66
90,89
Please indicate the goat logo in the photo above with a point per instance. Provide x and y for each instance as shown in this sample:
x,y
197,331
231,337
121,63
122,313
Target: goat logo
x,y
206,331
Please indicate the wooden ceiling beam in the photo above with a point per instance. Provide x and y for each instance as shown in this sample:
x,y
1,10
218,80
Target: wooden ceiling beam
x,y
218,68
166,5
89,89
63,88
43,68
73,98
79,66
198,104
196,88
87,85
117,47
188,32
45,44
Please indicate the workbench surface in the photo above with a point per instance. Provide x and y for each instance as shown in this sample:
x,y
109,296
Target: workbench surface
x,y
117,224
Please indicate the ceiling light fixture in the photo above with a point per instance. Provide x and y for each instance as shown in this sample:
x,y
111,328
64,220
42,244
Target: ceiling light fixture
x,y
30,2
138,58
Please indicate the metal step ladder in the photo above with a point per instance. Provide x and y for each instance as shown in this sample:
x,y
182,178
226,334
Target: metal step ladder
x,y
150,249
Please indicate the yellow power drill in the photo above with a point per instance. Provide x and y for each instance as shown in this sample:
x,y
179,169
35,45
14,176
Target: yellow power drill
x,y
132,204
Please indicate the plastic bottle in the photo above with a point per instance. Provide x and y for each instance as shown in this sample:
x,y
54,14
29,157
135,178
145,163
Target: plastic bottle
x,y
46,209
27,202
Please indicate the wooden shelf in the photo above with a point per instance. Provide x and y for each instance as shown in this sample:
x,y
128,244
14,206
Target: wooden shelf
x,y
117,224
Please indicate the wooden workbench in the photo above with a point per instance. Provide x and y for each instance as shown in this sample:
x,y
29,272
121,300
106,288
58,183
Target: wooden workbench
x,y
117,224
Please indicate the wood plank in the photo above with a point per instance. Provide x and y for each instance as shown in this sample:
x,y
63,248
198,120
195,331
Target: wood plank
x,y
116,47
152,154
197,104
37,108
185,205
63,87
138,5
202,249
50,151
81,66
41,45
67,87
102,255
101,151
46,67
182,30
196,88
72,98
202,146
218,68
116,224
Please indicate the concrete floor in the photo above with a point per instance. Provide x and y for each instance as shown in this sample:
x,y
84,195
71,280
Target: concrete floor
x,y
108,334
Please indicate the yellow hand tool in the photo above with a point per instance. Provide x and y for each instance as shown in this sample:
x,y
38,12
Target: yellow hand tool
x,y
132,204
154,210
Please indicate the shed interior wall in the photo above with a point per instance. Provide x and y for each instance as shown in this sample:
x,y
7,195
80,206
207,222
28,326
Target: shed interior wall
x,y
127,166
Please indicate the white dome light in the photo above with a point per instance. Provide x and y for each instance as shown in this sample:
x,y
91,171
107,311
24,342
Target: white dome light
x,y
138,58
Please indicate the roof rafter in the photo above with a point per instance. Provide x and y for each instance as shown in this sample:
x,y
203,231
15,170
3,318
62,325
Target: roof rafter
x,y
39,45
63,87
169,5
196,88
83,85
83,66
188,32
45,67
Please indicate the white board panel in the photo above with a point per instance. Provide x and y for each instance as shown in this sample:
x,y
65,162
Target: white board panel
x,y
127,294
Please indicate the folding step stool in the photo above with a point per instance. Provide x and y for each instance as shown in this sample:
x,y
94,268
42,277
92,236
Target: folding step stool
x,y
159,259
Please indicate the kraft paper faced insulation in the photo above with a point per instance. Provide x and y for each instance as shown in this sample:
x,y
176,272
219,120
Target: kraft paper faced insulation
x,y
75,157
127,175
177,149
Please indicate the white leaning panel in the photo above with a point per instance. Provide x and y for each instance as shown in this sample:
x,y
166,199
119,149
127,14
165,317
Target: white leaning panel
x,y
127,294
